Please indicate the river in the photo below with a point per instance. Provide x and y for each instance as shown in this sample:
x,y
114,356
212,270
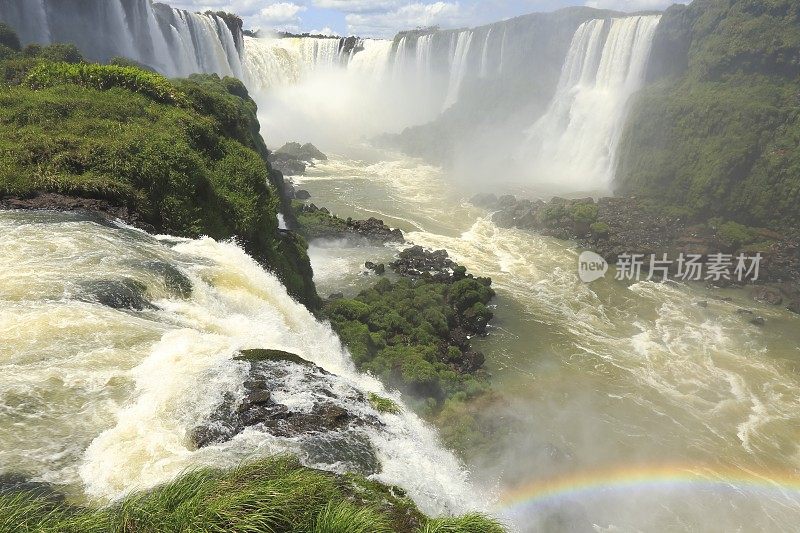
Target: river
x,y
636,406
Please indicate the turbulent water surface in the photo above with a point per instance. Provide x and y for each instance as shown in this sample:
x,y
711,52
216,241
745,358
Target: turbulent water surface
x,y
635,408
102,400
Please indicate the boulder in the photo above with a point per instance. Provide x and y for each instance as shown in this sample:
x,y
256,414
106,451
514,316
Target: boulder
x,y
375,230
123,293
768,295
379,269
331,430
302,195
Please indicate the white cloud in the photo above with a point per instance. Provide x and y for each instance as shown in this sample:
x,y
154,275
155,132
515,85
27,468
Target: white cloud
x,y
327,31
357,6
632,5
275,15
410,16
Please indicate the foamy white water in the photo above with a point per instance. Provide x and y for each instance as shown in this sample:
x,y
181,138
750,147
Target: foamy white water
x,y
606,375
103,400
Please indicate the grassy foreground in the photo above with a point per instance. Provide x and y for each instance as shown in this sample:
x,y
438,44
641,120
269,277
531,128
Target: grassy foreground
x,y
270,496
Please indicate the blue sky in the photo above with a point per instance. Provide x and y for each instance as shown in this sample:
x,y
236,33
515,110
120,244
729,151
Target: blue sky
x,y
384,18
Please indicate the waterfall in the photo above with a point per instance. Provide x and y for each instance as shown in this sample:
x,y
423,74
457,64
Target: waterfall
x,y
272,61
573,144
459,67
175,42
118,392
423,58
485,55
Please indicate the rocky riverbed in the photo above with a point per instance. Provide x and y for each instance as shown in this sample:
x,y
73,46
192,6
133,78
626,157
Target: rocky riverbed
x,y
629,225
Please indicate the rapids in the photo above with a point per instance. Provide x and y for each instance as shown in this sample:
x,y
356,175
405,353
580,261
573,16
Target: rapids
x,y
101,400
602,377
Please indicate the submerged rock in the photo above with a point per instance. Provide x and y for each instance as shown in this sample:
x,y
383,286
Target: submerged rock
x,y
12,483
123,293
379,269
174,280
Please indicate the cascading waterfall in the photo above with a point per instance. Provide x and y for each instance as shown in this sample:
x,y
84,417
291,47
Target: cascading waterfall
x,y
118,391
175,42
272,61
573,144
459,67
485,54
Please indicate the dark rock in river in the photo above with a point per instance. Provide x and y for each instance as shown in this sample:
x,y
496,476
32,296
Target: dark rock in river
x,y
174,280
418,262
375,230
302,195
123,293
12,483
104,211
768,295
306,152
287,164
379,269
329,429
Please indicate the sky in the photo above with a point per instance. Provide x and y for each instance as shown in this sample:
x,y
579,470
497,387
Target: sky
x,y
384,18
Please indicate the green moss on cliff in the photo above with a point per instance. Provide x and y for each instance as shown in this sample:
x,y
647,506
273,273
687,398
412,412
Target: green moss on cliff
x,y
720,136
184,155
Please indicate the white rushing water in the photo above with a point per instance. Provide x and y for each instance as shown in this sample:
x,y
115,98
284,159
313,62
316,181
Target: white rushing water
x,y
177,42
104,400
600,377
574,143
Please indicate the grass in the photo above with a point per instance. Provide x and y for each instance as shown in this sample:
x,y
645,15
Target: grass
x,y
184,156
268,496
383,405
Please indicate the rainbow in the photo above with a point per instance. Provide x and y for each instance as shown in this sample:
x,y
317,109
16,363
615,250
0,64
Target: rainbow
x,y
641,478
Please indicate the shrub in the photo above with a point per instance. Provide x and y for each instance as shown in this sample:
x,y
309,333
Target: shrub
x,y
600,229
734,235
61,53
584,213
9,38
105,77
383,405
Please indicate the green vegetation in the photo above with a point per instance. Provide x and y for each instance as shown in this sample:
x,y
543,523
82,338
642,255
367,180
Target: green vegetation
x,y
9,38
401,332
383,405
105,77
317,224
600,229
472,523
269,496
414,336
719,137
184,156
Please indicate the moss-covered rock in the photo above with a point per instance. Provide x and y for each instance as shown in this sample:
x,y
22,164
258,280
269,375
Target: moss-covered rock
x,y
183,157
